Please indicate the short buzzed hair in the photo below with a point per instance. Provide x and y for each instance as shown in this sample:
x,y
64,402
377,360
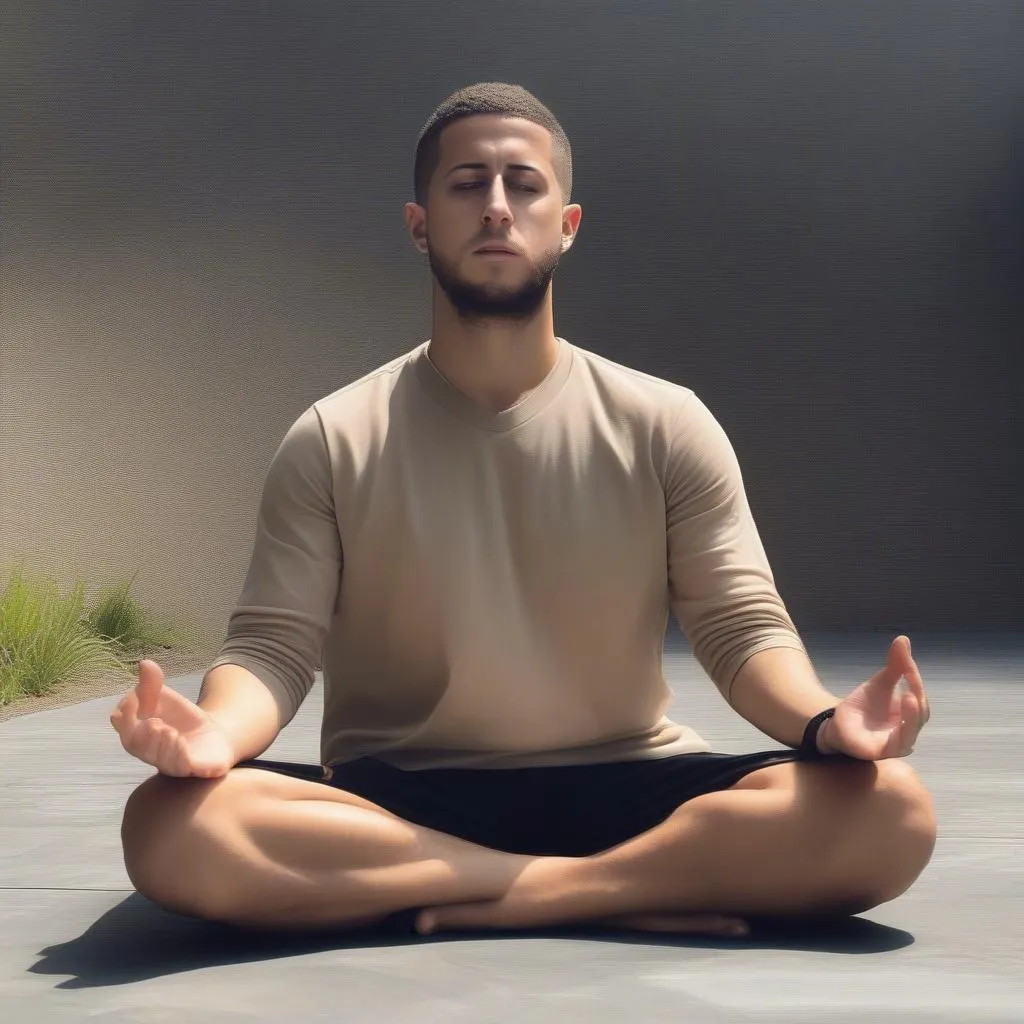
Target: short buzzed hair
x,y
489,98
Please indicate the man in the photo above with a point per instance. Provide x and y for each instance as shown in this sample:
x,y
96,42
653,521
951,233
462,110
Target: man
x,y
482,540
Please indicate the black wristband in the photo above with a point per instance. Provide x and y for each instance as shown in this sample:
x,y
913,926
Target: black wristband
x,y
809,744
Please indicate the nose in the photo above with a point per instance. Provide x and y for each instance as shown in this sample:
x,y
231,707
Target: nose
x,y
497,208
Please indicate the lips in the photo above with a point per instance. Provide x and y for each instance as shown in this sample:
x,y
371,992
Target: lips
x,y
498,248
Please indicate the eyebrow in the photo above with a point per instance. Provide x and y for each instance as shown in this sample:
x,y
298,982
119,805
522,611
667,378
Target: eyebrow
x,y
483,167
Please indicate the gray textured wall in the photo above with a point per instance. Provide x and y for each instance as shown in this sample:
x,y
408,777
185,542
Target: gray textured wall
x,y
811,214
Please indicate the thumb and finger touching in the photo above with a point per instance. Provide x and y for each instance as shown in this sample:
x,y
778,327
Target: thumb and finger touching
x,y
163,728
899,702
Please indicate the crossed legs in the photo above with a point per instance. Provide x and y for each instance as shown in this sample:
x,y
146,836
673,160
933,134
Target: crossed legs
x,y
791,839
260,849
264,850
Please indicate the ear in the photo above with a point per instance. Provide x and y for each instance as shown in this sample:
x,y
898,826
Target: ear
x,y
416,225
571,217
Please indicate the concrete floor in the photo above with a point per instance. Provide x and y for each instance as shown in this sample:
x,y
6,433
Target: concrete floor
x,y
77,943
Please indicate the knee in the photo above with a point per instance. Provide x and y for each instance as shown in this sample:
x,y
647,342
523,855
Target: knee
x,y
909,817
902,787
162,840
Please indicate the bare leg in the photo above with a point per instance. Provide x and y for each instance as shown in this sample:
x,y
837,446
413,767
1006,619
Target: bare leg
x,y
265,850
789,839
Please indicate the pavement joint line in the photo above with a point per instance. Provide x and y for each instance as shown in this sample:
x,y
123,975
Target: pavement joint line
x,y
58,888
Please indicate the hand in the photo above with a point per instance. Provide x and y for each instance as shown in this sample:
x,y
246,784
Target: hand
x,y
162,728
874,722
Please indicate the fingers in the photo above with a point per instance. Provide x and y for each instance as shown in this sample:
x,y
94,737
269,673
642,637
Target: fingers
x,y
909,672
916,684
151,682
125,716
150,739
910,724
154,739
160,745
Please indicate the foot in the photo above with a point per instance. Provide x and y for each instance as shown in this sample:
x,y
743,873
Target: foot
x,y
543,895
472,916
723,925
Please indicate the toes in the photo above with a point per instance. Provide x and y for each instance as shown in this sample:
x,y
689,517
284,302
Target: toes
x,y
462,915
426,922
492,915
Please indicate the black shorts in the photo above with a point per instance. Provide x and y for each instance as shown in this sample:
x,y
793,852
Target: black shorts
x,y
570,811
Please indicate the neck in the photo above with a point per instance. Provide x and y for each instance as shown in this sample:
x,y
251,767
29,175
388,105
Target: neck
x,y
495,366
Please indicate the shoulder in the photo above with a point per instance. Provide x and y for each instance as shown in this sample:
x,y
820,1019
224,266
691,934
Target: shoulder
x,y
629,387
682,424
701,460
328,428
368,392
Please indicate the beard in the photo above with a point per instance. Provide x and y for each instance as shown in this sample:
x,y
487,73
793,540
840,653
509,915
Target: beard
x,y
499,298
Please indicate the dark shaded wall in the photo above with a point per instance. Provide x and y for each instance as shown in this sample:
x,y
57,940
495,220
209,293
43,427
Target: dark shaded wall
x,y
810,214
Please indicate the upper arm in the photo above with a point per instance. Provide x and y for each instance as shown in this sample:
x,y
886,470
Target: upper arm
x,y
722,588
278,627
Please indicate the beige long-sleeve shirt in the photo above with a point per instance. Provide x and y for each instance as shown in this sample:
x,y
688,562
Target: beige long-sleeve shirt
x,y
492,589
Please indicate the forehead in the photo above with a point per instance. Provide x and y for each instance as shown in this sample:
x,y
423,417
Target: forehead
x,y
494,137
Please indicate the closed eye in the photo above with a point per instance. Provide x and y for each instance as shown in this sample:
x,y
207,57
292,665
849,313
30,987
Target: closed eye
x,y
473,184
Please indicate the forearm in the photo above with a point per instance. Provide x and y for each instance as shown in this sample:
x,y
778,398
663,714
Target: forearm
x,y
243,707
778,691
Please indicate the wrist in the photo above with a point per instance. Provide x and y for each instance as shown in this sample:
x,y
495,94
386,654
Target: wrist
x,y
813,742
822,741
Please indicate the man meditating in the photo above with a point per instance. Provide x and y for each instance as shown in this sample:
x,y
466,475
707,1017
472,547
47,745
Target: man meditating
x,y
480,542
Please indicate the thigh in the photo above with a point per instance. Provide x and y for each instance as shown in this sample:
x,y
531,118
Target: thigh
x,y
175,829
502,809
165,806
609,804
291,780
835,776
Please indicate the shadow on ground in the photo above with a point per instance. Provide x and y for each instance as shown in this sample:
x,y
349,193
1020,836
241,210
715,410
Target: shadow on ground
x,y
137,940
